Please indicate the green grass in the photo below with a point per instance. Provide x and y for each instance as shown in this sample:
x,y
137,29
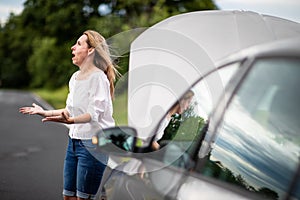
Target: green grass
x,y
120,109
57,99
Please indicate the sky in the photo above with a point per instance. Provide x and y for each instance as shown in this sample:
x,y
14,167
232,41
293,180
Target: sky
x,y
8,6
288,9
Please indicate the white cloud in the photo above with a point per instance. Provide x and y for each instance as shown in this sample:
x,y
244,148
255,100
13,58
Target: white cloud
x,y
288,9
256,2
8,6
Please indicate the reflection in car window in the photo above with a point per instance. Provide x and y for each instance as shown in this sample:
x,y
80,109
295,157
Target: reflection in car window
x,y
296,188
184,122
258,144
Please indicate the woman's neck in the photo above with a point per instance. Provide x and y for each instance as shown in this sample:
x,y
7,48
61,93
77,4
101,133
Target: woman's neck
x,y
86,70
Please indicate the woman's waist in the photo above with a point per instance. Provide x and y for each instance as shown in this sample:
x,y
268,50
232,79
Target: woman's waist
x,y
83,132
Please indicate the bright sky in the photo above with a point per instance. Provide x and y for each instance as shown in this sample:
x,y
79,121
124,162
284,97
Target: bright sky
x,y
288,9
8,6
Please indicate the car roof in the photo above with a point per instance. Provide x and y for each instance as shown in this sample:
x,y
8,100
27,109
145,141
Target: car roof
x,y
289,47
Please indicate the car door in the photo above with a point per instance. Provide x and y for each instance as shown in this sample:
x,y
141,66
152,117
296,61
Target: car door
x,y
165,170
159,174
180,143
250,152
254,146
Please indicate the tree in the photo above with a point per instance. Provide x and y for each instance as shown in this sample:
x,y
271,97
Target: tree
x,y
57,24
268,193
42,70
15,49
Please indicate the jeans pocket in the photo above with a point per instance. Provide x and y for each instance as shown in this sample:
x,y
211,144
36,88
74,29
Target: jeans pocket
x,y
87,144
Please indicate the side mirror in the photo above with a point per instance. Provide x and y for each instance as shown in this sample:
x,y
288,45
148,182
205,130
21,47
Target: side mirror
x,y
116,140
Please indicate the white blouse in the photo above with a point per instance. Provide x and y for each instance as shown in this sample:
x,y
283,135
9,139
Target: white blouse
x,y
92,96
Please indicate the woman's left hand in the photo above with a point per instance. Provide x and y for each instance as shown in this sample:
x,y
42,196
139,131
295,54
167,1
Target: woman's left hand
x,y
62,118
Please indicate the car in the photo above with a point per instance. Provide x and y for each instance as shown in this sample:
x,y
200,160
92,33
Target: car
x,y
238,142
247,147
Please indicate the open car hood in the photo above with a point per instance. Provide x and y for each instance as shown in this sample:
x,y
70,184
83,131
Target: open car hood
x,y
170,56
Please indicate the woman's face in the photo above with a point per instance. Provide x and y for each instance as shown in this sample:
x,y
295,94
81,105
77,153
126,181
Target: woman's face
x,y
80,50
185,103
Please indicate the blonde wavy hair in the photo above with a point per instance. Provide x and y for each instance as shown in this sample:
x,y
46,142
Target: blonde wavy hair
x,y
102,58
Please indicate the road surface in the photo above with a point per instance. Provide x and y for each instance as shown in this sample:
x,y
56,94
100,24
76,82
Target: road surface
x,y
31,152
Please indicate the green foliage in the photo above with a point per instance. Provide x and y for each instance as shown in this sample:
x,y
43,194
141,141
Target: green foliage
x,y
35,45
55,97
44,64
183,129
14,51
120,109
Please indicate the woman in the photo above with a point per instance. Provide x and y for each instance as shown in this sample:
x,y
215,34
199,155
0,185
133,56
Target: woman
x,y
88,109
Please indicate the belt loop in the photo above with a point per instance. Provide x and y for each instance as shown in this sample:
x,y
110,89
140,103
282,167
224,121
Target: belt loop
x,y
73,144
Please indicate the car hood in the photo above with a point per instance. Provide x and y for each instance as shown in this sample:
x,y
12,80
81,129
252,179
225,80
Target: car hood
x,y
167,58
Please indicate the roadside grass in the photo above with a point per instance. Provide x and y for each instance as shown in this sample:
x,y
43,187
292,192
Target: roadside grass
x,y
120,109
57,99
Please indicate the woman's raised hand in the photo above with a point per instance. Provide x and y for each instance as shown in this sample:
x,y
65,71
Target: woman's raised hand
x,y
34,110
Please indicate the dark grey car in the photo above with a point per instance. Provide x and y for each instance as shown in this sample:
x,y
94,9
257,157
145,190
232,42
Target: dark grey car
x,y
246,146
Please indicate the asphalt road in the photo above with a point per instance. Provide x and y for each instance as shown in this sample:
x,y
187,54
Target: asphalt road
x,y
31,152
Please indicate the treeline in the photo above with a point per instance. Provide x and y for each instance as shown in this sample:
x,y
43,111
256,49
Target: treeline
x,y
35,45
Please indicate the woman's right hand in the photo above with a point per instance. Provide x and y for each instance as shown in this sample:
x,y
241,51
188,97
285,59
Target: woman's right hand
x,y
34,110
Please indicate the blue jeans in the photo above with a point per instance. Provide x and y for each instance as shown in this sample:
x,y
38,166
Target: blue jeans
x,y
83,169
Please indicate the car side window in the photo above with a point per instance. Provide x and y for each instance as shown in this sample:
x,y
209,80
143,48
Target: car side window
x,y
257,145
183,125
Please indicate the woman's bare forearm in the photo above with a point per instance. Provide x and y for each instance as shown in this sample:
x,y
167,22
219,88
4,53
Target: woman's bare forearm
x,y
84,118
50,113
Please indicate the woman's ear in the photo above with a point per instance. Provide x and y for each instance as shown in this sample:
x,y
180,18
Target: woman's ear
x,y
91,50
